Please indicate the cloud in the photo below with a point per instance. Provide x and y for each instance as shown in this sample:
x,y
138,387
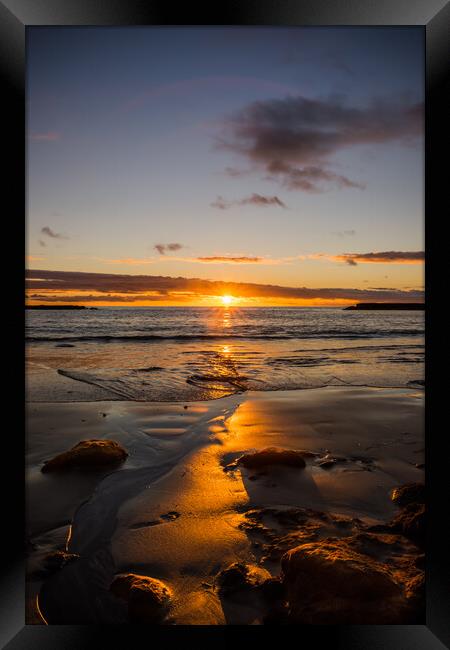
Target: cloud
x,y
254,199
344,233
51,233
143,285
387,257
311,178
205,259
57,296
34,258
163,248
220,259
49,136
293,140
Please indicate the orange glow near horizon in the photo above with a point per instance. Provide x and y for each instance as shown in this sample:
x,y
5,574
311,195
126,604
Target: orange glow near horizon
x,y
203,301
175,299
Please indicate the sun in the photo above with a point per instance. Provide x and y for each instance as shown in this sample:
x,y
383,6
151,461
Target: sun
x,y
227,300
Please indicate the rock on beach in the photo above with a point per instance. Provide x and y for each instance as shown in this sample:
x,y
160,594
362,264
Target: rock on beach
x,y
273,456
148,598
88,454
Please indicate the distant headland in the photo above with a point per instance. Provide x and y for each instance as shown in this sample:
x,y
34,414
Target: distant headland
x,y
58,307
372,306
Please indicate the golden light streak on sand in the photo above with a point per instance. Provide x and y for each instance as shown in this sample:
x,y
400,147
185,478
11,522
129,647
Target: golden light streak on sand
x,y
69,537
38,609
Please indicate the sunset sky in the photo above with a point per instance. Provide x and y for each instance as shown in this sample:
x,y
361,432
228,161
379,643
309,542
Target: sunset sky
x,y
179,165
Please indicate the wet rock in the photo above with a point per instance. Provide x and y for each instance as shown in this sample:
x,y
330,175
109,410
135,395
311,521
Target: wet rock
x,y
328,582
279,530
415,589
400,553
88,454
327,464
170,516
239,577
54,562
329,461
410,522
409,493
148,598
273,456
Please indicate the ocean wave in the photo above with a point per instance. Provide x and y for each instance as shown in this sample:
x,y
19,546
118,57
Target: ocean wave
x,y
147,338
369,348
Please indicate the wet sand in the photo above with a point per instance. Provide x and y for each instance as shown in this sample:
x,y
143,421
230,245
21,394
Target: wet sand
x,y
175,512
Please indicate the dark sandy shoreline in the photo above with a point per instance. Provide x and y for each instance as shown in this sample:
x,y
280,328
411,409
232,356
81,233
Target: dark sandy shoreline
x,y
121,521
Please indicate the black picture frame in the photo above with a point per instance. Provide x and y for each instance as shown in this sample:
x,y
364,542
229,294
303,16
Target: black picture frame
x,y
433,16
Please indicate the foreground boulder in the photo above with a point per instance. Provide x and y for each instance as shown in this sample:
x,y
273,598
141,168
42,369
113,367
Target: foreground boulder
x,y
330,583
273,456
410,493
88,454
148,598
241,576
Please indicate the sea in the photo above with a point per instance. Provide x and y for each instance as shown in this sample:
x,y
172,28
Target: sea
x,y
160,354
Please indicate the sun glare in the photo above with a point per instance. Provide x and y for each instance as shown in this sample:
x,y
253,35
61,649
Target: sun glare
x,y
227,300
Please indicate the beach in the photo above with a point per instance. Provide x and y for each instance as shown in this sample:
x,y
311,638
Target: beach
x,y
178,510
195,449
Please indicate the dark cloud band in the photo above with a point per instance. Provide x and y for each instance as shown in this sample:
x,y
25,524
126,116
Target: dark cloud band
x,y
46,230
254,199
163,248
138,285
386,257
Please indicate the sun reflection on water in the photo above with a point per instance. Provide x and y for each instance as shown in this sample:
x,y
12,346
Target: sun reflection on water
x,y
226,319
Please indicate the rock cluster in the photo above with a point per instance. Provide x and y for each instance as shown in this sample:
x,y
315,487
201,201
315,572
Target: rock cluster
x,y
337,569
